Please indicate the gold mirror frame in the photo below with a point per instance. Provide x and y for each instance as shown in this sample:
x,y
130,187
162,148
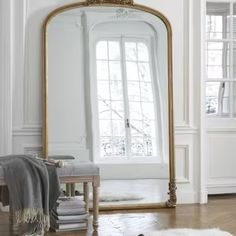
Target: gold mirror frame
x,y
128,4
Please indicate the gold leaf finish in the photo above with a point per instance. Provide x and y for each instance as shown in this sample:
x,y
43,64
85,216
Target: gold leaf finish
x,y
122,2
173,199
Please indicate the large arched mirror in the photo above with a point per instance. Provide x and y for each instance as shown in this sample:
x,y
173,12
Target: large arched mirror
x,y
109,99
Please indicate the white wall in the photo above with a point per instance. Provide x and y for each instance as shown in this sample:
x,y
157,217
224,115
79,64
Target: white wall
x,y
66,96
184,16
6,69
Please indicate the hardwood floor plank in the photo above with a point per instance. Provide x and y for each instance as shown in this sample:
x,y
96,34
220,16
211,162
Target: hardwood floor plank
x,y
220,212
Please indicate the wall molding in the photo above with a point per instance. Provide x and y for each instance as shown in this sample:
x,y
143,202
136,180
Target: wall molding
x,y
221,130
187,197
6,73
186,178
27,131
221,188
182,130
34,150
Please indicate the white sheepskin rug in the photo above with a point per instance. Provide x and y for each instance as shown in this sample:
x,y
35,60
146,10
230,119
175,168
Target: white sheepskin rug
x,y
188,232
107,197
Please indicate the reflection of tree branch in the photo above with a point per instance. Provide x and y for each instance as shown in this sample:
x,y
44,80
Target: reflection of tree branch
x,y
108,104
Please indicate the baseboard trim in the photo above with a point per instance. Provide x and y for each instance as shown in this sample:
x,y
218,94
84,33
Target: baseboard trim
x,y
188,197
221,189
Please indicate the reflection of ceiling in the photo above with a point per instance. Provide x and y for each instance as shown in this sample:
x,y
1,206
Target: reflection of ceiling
x,y
74,16
79,11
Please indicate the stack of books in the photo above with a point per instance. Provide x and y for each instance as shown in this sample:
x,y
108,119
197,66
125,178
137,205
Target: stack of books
x,y
69,214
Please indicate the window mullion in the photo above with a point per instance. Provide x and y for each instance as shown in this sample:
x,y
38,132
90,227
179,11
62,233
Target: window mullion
x,y
126,99
109,79
231,61
140,92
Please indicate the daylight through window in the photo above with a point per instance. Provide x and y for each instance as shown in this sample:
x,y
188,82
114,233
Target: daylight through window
x,y
221,59
125,95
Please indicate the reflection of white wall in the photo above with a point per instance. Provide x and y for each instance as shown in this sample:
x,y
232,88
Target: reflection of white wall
x,y
66,120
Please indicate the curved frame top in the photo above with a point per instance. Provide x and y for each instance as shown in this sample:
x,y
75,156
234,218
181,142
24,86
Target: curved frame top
x,y
128,4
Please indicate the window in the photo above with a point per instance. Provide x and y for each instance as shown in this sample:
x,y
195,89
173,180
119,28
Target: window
x,y
125,97
221,59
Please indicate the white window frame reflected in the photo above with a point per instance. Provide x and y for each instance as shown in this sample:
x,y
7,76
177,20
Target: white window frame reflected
x,y
128,157
224,95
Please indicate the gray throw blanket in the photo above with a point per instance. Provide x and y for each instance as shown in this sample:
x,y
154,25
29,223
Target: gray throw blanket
x,y
33,188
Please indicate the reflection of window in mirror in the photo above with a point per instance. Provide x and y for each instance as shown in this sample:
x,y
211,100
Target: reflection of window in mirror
x,y
221,59
126,99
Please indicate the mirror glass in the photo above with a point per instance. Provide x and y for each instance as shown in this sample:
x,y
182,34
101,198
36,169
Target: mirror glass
x,y
108,98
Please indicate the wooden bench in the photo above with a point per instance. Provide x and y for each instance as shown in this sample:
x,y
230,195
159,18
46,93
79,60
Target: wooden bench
x,y
76,172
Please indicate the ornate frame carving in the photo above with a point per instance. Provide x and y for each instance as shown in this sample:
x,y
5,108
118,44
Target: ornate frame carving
x,y
121,2
128,4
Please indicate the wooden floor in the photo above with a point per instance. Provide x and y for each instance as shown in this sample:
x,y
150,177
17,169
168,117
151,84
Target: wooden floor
x,y
220,212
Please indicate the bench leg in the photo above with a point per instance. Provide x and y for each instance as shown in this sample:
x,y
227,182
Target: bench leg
x,y
72,189
68,189
11,219
13,226
86,196
95,205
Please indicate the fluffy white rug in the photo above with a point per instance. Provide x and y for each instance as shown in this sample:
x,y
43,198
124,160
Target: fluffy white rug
x,y
189,232
108,197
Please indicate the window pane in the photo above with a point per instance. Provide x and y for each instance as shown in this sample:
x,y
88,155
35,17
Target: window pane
x,y
114,50
135,110
132,71
131,51
116,90
146,92
115,70
217,60
217,20
144,72
234,60
134,91
104,110
102,70
118,146
105,127
217,98
142,52
234,21
136,128
118,127
218,52
150,148
112,146
137,146
234,99
117,110
149,128
103,90
105,146
101,50
214,72
148,110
